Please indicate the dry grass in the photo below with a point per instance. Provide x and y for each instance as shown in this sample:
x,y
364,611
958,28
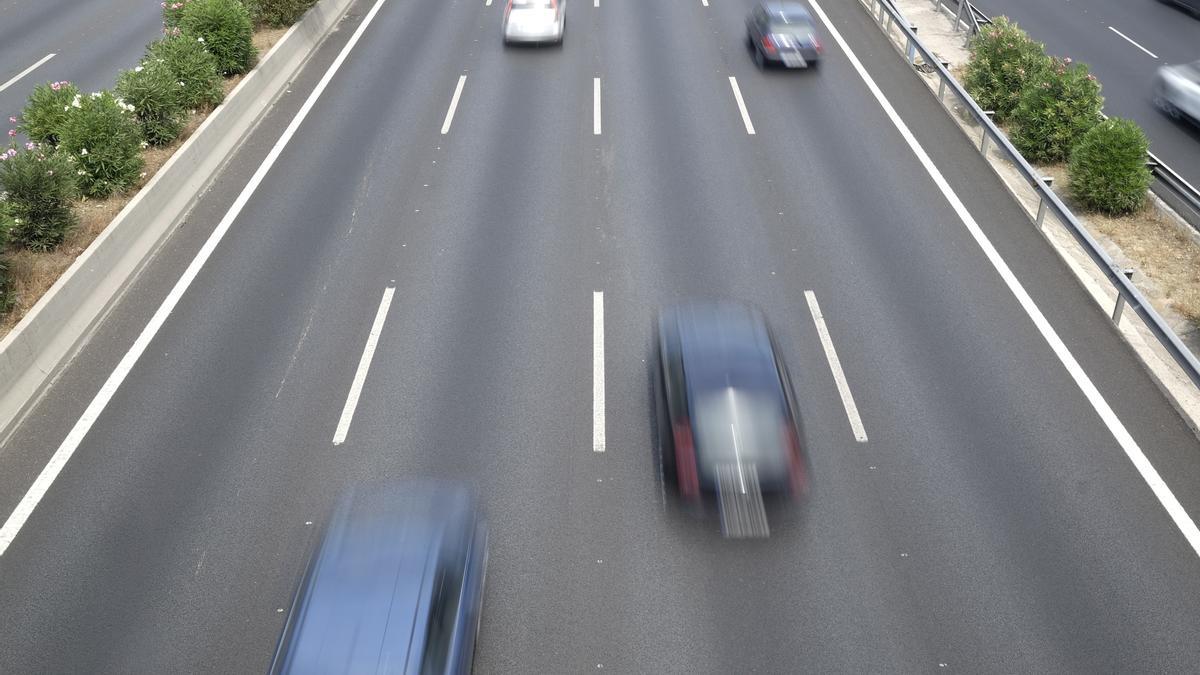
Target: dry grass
x,y
1158,247
32,274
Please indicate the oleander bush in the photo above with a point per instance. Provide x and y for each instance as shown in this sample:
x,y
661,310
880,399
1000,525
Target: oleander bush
x,y
278,13
156,98
1057,107
38,186
225,29
103,139
193,66
1003,59
1108,168
46,111
172,13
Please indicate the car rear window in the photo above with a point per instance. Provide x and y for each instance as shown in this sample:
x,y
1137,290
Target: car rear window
x,y
736,425
532,4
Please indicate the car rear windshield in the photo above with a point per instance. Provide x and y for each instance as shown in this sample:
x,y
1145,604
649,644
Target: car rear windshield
x,y
799,28
532,4
736,425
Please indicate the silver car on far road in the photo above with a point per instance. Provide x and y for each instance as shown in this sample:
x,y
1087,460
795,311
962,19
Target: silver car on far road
x,y
1177,91
534,21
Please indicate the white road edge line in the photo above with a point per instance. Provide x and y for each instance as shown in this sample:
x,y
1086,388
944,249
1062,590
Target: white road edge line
x,y
1149,474
462,79
598,371
835,365
25,72
364,364
84,424
737,94
595,106
1127,39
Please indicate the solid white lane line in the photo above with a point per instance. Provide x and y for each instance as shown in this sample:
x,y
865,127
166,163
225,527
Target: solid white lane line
x,y
1165,497
1127,39
84,424
737,94
364,364
835,365
595,106
598,371
25,72
462,79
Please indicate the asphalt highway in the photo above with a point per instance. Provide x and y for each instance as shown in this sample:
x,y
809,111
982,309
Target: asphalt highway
x,y
1123,43
91,42
991,521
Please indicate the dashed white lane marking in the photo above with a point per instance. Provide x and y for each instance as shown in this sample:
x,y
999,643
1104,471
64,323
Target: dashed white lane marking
x,y
364,364
595,106
25,72
1149,474
84,424
1130,41
462,79
737,94
598,371
488,3
835,365
704,2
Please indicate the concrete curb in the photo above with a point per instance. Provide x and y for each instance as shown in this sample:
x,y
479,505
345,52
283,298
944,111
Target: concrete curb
x,y
54,329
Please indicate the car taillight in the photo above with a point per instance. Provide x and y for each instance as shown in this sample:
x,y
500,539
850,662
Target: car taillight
x,y
685,460
797,473
768,44
816,44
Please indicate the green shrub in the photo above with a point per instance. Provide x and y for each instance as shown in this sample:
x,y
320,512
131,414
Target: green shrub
x,y
103,138
6,289
46,111
278,13
224,27
38,187
172,13
156,98
1003,59
191,64
1108,167
1057,107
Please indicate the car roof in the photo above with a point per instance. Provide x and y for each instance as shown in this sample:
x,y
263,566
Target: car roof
x,y
724,344
365,603
787,11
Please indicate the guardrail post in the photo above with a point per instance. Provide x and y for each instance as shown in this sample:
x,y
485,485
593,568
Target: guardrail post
x,y
1116,317
882,12
958,14
984,141
912,46
1048,181
942,80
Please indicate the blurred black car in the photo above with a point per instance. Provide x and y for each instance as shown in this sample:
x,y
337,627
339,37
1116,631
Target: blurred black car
x,y
1192,6
783,33
724,403
395,586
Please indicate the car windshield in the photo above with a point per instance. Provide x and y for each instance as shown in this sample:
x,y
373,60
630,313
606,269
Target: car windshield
x,y
799,27
738,426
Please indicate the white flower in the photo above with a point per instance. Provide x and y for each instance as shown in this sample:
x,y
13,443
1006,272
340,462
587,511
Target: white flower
x,y
97,94
83,151
138,69
81,172
200,39
143,174
144,144
17,221
75,103
181,84
3,196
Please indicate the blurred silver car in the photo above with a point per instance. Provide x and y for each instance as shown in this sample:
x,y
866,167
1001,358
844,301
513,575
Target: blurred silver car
x,y
1177,91
534,21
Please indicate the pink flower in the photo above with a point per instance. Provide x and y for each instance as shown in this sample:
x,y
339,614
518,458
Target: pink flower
x,y
12,133
31,146
13,120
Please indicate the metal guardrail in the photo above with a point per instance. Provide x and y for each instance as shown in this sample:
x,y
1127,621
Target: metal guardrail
x,y
1127,292
973,18
1173,187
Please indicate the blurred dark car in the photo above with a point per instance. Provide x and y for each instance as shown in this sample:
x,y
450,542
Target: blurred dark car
x,y
395,586
1192,6
724,402
783,33
1177,90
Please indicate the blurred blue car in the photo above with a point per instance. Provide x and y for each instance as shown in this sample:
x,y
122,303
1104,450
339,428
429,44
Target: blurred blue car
x,y
395,585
